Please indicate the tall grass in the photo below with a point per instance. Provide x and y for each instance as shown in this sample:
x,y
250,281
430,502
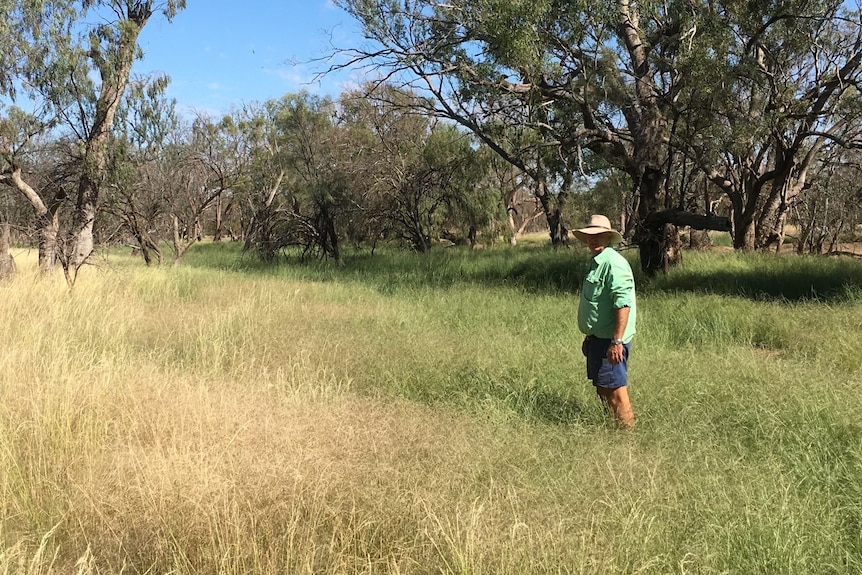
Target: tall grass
x,y
427,414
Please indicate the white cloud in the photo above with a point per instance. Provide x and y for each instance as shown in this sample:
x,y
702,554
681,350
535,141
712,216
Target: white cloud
x,y
295,78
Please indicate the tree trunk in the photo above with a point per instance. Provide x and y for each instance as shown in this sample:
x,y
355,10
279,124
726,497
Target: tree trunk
x,y
7,262
660,233
556,229
149,249
699,239
219,219
114,75
85,217
513,229
46,216
330,236
180,246
770,224
650,231
49,229
835,235
558,232
743,226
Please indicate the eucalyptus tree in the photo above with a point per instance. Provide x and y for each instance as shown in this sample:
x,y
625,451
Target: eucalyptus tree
x,y
471,205
573,78
832,205
774,86
224,152
166,176
393,137
72,73
258,208
298,186
437,188
138,192
7,261
423,177
522,207
748,91
432,49
21,147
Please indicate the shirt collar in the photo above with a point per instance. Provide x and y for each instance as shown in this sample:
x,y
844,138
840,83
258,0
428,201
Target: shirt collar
x,y
604,255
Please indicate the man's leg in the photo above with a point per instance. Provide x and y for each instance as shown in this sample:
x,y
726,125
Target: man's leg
x,y
618,404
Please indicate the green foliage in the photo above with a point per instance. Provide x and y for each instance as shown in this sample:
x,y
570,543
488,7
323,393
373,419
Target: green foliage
x,y
671,93
512,32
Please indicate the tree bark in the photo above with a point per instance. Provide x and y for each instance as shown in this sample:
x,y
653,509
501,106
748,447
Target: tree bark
x,y
660,240
699,239
49,230
651,230
7,262
46,217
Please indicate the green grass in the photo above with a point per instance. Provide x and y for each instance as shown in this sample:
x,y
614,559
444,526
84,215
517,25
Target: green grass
x,y
427,414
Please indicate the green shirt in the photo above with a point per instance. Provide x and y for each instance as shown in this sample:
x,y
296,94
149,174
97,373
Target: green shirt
x,y
609,285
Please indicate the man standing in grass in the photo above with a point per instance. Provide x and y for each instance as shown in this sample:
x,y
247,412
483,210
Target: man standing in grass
x,y
606,315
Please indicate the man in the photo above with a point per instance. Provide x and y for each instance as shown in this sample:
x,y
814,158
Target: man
x,y
606,315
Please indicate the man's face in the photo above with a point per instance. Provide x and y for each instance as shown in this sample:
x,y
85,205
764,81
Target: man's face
x,y
596,243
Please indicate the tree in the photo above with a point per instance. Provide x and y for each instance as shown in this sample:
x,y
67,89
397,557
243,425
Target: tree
x,y
210,162
478,206
832,205
777,85
522,207
7,262
52,66
423,175
745,92
299,187
576,79
21,148
147,128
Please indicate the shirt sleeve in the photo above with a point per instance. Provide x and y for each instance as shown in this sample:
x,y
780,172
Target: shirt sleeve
x,y
622,286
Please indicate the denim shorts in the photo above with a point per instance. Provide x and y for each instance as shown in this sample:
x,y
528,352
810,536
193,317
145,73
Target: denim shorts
x,y
600,370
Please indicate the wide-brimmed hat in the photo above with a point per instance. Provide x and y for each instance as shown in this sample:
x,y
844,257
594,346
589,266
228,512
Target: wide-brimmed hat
x,y
598,224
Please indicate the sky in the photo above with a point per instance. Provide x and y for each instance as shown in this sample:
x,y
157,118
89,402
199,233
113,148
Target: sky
x,y
220,54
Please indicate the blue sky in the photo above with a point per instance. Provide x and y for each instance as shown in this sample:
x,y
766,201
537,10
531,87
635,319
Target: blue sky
x,y
222,53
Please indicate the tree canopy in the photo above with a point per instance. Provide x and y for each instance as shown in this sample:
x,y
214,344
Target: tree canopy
x,y
740,92
477,115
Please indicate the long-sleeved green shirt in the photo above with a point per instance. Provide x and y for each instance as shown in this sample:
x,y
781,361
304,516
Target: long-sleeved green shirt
x,y
609,285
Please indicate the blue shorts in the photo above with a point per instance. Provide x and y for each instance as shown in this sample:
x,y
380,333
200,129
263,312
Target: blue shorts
x,y
600,370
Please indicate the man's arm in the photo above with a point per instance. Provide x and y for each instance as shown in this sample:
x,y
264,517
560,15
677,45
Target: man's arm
x,y
621,320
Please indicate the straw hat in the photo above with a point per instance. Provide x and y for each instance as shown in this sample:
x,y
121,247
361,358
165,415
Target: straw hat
x,y
598,224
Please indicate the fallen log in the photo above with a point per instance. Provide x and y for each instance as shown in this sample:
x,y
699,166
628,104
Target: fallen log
x,y
681,218
658,237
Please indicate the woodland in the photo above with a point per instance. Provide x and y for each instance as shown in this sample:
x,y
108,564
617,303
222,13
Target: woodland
x,y
479,120
322,388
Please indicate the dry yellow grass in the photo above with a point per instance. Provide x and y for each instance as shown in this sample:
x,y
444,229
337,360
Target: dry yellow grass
x,y
168,420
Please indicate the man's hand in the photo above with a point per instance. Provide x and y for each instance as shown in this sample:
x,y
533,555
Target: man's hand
x,y
615,353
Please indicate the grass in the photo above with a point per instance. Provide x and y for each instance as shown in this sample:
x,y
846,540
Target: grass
x,y
413,414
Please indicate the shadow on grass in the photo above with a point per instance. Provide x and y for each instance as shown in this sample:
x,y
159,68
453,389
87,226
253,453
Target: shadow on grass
x,y
765,277
472,388
533,268
546,406
546,270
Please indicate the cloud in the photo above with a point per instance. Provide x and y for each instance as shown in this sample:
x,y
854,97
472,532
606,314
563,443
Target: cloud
x,y
295,78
